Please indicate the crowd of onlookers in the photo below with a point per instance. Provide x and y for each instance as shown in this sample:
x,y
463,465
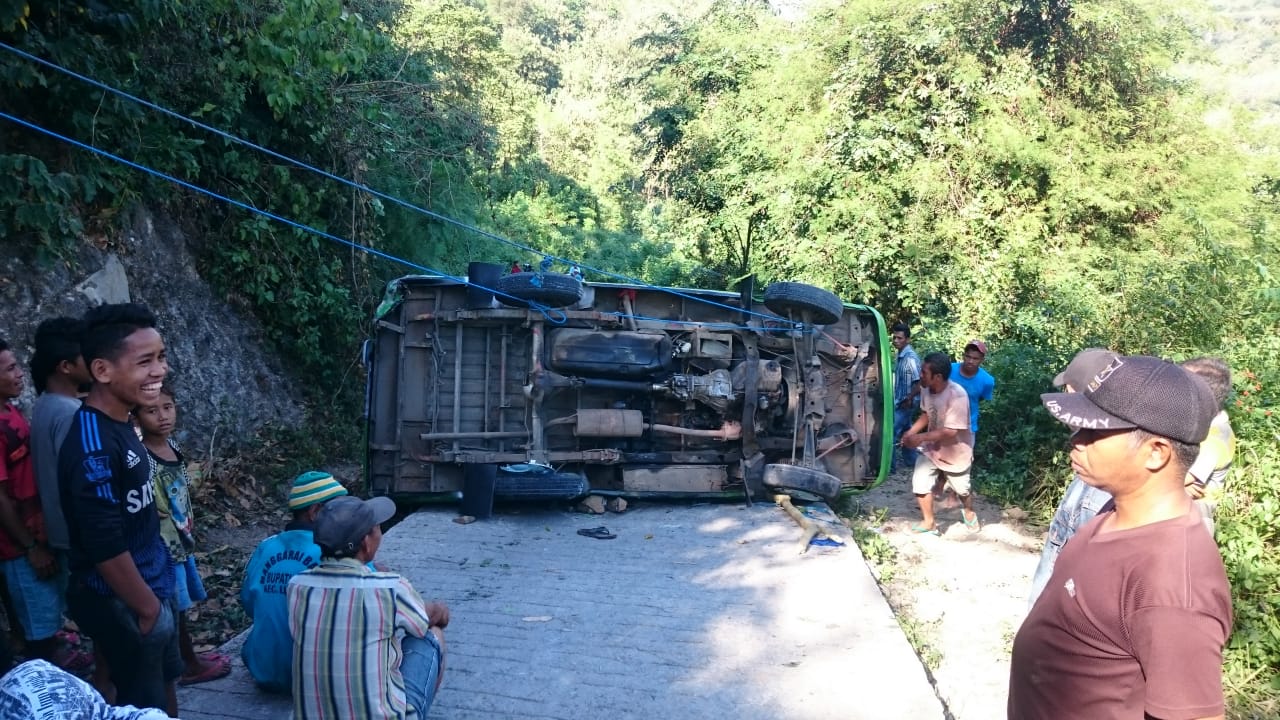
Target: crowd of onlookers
x,y
97,540
1129,608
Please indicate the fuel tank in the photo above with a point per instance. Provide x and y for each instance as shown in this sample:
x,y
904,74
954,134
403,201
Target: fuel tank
x,y
584,352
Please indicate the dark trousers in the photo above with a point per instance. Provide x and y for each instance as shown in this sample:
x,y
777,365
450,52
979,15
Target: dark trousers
x,y
141,666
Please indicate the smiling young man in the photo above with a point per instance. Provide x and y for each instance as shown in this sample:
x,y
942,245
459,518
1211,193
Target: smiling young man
x,y
121,588
1135,615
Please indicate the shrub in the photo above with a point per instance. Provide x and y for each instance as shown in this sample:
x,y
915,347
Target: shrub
x,y
1248,526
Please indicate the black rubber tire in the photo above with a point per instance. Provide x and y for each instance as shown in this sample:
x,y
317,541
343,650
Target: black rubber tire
x,y
553,290
540,486
794,477
794,299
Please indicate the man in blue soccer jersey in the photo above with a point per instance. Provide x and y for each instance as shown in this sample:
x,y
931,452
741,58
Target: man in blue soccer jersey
x,y
121,586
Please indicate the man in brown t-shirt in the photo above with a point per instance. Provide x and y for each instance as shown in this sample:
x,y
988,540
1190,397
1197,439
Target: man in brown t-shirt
x,y
945,440
1134,618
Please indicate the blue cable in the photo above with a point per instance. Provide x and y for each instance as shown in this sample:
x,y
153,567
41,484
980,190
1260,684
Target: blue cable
x,y
556,317
250,208
365,188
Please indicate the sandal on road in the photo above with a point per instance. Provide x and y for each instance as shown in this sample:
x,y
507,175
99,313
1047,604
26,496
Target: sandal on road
x,y
919,529
971,524
599,533
219,668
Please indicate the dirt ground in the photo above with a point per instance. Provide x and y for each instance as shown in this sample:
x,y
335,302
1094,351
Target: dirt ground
x,y
237,504
960,597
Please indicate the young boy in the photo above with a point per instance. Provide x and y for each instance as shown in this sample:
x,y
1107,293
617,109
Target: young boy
x,y
177,526
121,588
58,372
30,568
268,651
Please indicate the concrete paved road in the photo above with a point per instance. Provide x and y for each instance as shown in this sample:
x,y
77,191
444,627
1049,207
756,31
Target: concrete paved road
x,y
691,612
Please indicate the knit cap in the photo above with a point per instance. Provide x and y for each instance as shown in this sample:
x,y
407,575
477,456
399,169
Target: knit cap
x,y
313,487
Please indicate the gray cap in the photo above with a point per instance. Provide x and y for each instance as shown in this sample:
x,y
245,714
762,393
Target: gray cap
x,y
1083,367
344,521
1139,392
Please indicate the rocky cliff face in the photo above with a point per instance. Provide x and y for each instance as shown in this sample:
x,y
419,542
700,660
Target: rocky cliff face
x,y
228,383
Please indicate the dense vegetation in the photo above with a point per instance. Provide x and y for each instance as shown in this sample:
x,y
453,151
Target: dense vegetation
x,y
1044,174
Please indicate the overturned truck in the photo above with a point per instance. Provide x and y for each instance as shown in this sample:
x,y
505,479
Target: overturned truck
x,y
537,385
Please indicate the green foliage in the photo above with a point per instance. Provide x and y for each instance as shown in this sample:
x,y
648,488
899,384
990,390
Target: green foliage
x,y
420,100
1018,449
1248,520
41,201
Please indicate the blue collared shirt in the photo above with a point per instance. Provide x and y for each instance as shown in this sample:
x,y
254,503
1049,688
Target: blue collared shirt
x,y
906,372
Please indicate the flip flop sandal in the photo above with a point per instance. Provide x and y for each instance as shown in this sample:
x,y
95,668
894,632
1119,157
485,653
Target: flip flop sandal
x,y
599,533
971,525
922,530
216,658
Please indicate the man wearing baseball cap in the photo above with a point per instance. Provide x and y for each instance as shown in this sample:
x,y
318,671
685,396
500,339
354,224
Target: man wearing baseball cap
x,y
1081,501
268,650
364,642
978,384
1135,615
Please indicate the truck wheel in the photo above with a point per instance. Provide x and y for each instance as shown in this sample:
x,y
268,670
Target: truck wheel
x,y
793,298
795,477
550,289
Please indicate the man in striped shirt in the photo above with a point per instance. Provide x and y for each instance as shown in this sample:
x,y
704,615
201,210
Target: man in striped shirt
x,y
364,642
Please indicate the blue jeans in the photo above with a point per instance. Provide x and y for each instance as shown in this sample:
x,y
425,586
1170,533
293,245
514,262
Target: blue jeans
x,y
1079,504
420,668
902,419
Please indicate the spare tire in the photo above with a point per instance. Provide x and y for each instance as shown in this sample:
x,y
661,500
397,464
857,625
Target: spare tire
x,y
552,290
795,477
795,299
540,486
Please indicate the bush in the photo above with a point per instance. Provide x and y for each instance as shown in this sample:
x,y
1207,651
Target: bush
x,y
1020,449
1248,528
